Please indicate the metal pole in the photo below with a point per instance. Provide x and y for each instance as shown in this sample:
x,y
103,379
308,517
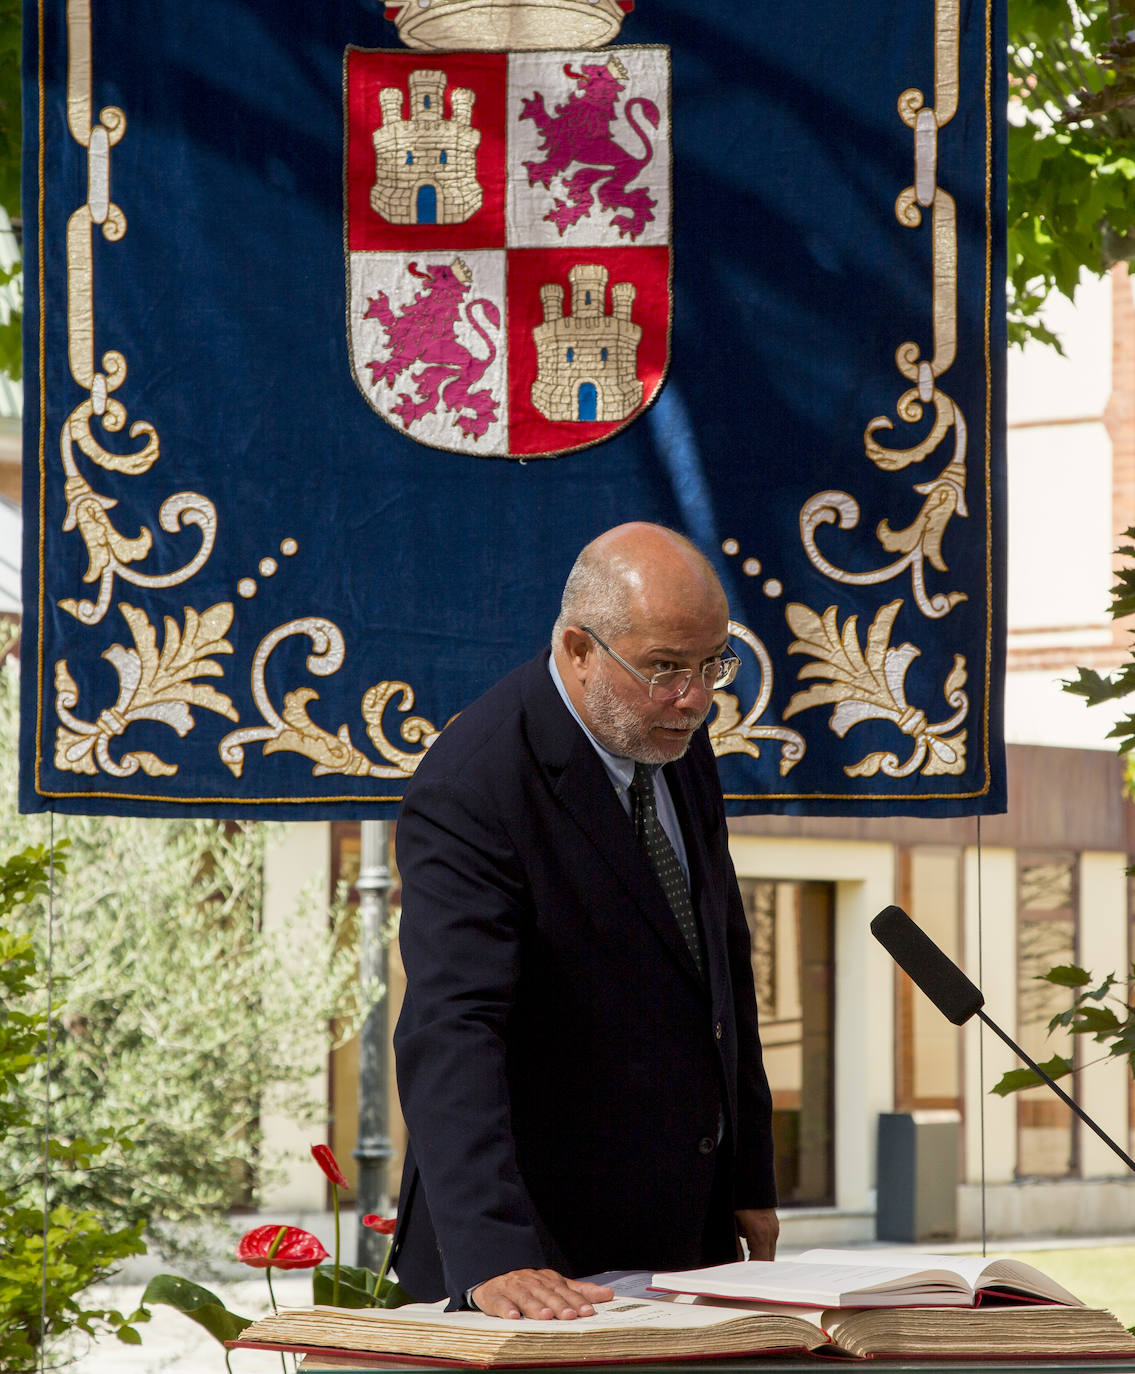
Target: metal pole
x,y
373,1149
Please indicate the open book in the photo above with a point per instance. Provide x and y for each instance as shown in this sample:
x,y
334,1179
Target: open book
x,y
628,1330
855,1278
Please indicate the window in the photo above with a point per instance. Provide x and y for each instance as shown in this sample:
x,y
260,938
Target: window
x,y
792,926
603,355
571,355
425,102
409,159
441,157
1046,936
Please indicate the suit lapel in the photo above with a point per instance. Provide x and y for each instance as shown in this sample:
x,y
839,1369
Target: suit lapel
x,y
581,785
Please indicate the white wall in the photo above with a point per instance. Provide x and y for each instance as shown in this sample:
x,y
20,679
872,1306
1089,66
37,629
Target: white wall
x,y
1102,933
1060,520
301,855
990,917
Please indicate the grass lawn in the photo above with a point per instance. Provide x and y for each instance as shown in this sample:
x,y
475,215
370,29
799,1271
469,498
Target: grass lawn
x,y
1103,1276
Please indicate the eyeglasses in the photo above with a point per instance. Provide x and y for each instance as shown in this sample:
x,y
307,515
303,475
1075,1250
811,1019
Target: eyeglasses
x,y
675,683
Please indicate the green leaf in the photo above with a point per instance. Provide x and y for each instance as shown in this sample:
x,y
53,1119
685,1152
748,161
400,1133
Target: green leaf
x,y
1018,1079
354,1285
1066,976
198,1304
356,1288
1097,994
392,1294
1098,1021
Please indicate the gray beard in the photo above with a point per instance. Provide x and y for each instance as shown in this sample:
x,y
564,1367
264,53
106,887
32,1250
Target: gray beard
x,y
618,727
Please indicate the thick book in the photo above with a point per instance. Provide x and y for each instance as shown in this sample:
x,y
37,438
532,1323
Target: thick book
x,y
629,1330
854,1278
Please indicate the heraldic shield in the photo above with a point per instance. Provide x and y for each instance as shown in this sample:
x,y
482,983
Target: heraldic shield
x,y
509,243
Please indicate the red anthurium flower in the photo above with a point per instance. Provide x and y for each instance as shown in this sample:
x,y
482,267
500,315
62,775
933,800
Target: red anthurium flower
x,y
264,1247
327,1162
383,1225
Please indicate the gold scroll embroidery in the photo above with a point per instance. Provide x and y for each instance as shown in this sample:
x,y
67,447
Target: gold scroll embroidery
x,y
943,496
730,734
109,553
293,730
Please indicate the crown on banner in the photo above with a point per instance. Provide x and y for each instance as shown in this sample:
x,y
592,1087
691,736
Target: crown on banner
x,y
507,25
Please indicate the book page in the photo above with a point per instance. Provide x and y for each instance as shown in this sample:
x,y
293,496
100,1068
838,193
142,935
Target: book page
x,y
824,1285
616,1315
977,1270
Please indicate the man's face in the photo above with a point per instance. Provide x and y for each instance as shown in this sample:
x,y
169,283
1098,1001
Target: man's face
x,y
618,707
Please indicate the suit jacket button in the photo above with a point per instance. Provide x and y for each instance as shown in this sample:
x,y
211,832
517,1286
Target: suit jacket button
x,y
717,1031
705,1145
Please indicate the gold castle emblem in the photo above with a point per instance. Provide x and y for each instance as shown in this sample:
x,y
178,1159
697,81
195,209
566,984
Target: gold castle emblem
x,y
425,167
587,361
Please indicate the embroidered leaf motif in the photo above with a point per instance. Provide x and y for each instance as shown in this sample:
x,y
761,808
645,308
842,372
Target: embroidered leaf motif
x,y
168,676
153,684
869,683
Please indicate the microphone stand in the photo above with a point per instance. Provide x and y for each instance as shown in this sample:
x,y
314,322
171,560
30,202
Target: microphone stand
x,y
1058,1090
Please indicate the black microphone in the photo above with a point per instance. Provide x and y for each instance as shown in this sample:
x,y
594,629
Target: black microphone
x,y
956,997
921,959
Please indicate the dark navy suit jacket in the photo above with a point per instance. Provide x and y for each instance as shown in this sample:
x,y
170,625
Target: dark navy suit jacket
x,y
576,1096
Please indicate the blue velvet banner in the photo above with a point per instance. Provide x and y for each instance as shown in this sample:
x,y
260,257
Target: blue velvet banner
x,y
347,328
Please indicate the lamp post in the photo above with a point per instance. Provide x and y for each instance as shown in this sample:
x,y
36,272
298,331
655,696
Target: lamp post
x,y
373,1148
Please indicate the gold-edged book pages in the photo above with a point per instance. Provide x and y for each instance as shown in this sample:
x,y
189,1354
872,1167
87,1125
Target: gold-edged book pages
x,y
1041,1332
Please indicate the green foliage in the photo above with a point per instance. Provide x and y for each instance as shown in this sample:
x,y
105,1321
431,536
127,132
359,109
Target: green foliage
x,y
357,1287
1015,1080
1071,150
42,1303
185,1020
1097,687
201,1306
1112,1025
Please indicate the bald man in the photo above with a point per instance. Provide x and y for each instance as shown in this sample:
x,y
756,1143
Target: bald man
x,y
578,1058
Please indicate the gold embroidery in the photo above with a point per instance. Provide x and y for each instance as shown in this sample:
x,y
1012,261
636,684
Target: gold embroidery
x,y
500,25
729,734
109,553
151,686
871,685
921,541
292,730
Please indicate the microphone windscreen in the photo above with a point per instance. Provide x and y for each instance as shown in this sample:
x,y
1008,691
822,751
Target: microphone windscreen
x,y
919,957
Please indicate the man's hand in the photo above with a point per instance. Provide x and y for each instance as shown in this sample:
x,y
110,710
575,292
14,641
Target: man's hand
x,y
539,1293
760,1227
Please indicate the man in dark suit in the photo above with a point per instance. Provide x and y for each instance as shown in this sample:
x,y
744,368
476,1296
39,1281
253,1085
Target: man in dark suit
x,y
578,1058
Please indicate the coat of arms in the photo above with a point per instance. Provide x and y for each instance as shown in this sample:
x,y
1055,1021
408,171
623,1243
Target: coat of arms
x,y
508,226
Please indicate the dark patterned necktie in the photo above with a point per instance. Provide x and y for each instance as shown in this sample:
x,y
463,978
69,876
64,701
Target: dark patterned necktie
x,y
663,860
